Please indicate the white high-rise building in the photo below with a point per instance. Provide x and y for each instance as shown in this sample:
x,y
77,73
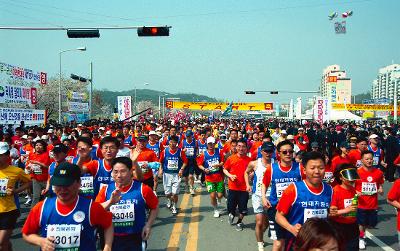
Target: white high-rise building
x,y
383,86
335,85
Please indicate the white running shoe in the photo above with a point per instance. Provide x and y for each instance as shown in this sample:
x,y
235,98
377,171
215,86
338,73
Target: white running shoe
x,y
192,191
28,202
361,243
216,214
168,203
173,210
260,246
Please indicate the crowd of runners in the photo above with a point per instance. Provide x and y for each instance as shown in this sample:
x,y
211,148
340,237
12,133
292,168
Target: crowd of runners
x,y
99,184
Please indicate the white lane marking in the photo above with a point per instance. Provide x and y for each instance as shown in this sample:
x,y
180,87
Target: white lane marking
x,y
378,242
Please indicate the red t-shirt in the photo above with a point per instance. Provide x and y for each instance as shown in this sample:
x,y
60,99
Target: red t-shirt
x,y
355,157
214,177
394,195
145,156
43,158
16,140
338,160
341,199
289,197
237,165
368,185
98,216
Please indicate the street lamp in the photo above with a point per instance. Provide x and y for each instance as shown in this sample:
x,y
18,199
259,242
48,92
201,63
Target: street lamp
x,y
144,84
159,103
59,84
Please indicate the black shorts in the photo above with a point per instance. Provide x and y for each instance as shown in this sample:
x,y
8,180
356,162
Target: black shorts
x,y
149,182
9,219
191,168
131,242
367,217
275,231
237,199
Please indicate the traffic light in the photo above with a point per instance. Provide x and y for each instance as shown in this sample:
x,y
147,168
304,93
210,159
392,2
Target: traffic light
x,y
250,92
76,77
83,33
273,92
153,31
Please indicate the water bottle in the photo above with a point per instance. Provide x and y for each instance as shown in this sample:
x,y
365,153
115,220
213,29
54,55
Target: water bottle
x,y
354,202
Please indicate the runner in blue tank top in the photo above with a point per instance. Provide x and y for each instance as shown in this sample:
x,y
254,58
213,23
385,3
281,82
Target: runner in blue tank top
x,y
189,147
305,199
68,221
378,158
128,200
60,153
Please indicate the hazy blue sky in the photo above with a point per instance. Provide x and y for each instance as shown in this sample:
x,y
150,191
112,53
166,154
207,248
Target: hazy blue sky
x,y
217,48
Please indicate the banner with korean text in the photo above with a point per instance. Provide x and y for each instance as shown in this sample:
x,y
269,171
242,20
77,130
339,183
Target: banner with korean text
x,y
124,107
20,74
15,116
321,111
11,94
170,104
362,107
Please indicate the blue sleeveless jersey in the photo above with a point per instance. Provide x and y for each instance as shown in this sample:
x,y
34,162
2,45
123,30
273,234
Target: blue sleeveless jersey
x,y
172,162
280,180
190,148
69,225
210,160
202,147
377,155
308,204
259,155
155,148
123,220
220,146
128,141
102,177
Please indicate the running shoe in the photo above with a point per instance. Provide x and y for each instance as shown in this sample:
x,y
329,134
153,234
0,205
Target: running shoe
x,y
239,226
361,243
231,217
173,210
216,214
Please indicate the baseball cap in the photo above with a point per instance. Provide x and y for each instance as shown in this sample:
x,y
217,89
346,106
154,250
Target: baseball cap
x,y
222,124
283,132
80,125
24,136
314,144
300,129
268,146
345,144
60,148
4,147
222,136
142,138
210,140
50,131
373,136
45,137
102,128
95,132
350,174
152,133
189,133
290,137
65,174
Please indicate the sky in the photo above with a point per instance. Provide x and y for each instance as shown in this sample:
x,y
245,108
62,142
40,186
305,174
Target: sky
x,y
215,48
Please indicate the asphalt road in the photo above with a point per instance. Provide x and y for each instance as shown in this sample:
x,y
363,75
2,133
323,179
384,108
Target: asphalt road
x,y
195,228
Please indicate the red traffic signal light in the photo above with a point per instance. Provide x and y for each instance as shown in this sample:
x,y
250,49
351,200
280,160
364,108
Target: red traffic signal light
x,y
153,31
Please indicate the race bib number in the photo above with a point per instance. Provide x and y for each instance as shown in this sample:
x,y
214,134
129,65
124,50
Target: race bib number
x,y
69,159
202,150
123,215
172,164
280,187
3,187
36,169
328,176
369,188
141,164
315,213
189,152
347,202
86,185
211,165
66,237
375,161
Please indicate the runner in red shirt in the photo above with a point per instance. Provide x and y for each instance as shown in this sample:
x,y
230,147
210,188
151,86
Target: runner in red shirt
x,y
393,198
368,186
355,154
144,157
301,140
343,210
343,157
235,167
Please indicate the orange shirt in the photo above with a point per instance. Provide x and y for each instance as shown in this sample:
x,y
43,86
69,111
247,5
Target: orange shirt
x,y
254,149
341,199
42,173
237,165
368,185
98,216
394,195
145,156
337,160
289,197
355,157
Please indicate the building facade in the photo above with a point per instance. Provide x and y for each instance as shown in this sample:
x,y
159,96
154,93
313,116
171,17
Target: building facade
x,y
335,85
384,85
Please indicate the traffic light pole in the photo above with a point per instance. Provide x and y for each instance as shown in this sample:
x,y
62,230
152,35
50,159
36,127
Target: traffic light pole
x,y
91,89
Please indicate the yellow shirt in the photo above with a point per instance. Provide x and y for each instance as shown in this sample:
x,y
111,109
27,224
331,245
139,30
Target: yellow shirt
x,y
8,177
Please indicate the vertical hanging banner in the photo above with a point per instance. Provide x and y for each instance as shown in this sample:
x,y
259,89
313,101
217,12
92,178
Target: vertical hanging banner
x,y
124,107
321,111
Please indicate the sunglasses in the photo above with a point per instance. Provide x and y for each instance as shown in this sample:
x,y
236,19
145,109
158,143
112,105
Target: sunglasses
x,y
268,151
287,152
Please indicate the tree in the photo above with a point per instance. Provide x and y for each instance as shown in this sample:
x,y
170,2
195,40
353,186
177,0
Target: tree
x,y
47,95
143,105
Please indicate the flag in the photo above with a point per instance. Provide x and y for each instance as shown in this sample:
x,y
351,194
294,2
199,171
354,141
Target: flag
x,y
228,110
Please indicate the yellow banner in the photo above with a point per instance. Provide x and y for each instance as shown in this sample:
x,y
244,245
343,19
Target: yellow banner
x,y
362,107
218,106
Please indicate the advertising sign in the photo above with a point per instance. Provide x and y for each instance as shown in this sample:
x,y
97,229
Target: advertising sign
x,y
10,94
124,107
78,107
218,106
362,107
15,116
321,112
8,71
